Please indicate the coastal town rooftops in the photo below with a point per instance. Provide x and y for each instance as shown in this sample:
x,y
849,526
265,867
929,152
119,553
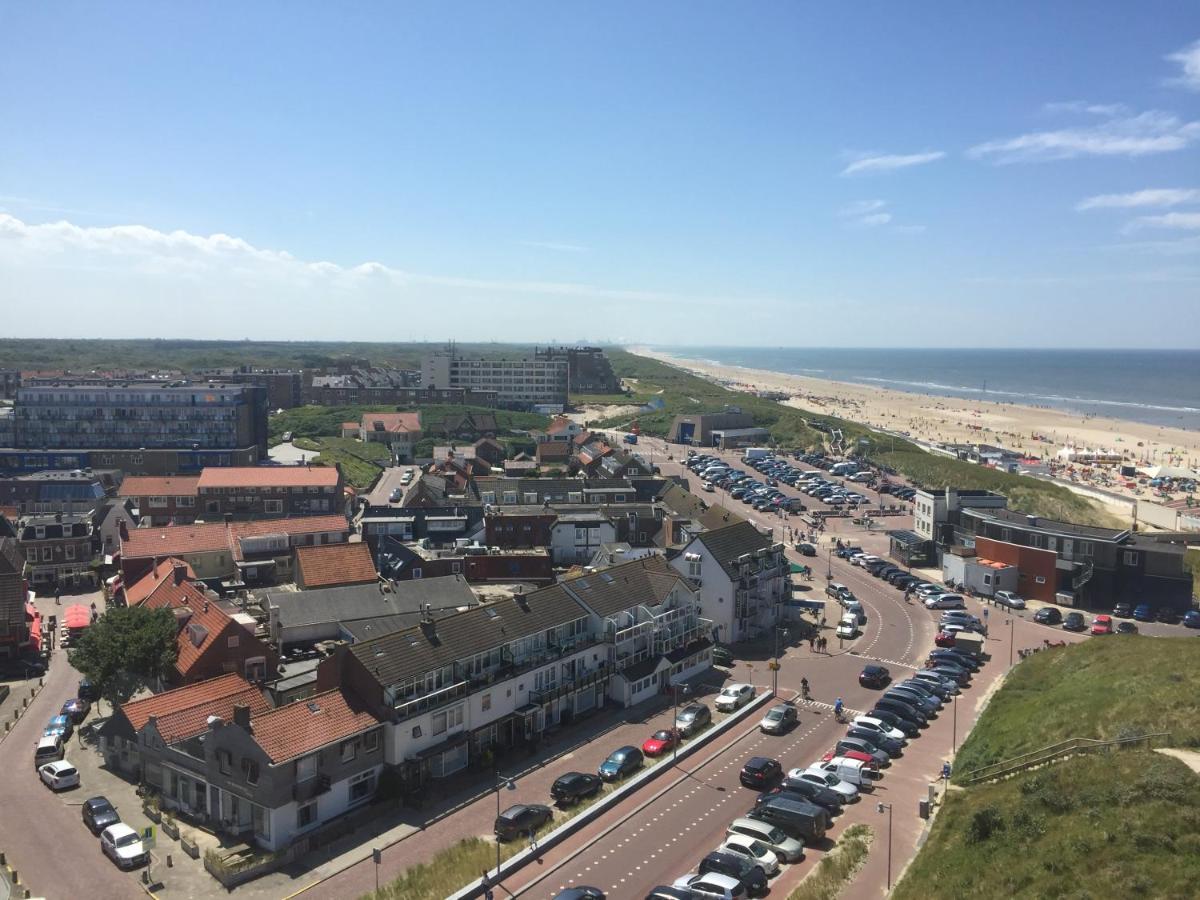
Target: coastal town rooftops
x,y
413,652
728,543
1012,517
136,593
216,477
183,712
364,601
178,540
159,486
307,725
645,581
335,564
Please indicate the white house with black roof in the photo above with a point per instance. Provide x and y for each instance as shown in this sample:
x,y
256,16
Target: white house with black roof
x,y
742,576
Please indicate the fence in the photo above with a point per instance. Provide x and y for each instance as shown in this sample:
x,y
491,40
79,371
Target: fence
x,y
1054,751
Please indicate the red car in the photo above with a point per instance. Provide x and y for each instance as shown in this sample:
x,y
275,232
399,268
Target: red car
x,y
863,758
1102,625
944,639
660,742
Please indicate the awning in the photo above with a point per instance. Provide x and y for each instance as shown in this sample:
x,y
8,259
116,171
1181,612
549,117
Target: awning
x,y
77,616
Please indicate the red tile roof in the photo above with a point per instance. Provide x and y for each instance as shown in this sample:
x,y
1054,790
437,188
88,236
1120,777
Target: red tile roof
x,y
183,712
159,486
178,540
331,565
268,476
407,421
136,593
346,425
205,625
307,725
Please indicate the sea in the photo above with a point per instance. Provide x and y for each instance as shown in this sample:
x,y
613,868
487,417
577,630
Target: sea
x,y
1157,387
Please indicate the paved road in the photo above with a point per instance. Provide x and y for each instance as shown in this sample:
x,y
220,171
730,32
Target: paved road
x,y
42,834
289,454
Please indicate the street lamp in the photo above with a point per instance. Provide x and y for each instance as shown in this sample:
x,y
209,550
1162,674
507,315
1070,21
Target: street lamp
x,y
687,692
881,807
775,665
954,727
510,785
829,564
1010,640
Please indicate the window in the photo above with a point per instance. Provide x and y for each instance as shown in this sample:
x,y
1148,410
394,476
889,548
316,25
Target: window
x,y
485,702
250,771
224,761
447,720
1040,579
455,568
1131,558
347,751
489,497
306,815
157,502
416,574
362,786
232,642
69,551
693,568
371,741
416,731
273,506
47,554
185,501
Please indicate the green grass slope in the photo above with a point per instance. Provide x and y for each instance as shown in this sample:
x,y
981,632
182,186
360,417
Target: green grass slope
x,y
1122,824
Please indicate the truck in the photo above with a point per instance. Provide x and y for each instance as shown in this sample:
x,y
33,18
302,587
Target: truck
x,y
969,642
753,453
630,438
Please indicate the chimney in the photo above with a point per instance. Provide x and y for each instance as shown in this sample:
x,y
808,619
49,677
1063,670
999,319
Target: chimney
x,y
206,605
179,571
1031,521
241,715
123,528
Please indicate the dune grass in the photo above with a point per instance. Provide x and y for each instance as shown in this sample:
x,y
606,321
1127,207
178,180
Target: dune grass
x,y
836,868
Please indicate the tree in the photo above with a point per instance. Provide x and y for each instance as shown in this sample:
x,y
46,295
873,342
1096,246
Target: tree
x,y
126,650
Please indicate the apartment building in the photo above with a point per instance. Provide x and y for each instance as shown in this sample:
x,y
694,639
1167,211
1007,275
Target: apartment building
x,y
259,492
162,499
540,378
59,550
40,493
743,579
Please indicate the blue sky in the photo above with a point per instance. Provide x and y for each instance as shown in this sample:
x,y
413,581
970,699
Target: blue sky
x,y
760,174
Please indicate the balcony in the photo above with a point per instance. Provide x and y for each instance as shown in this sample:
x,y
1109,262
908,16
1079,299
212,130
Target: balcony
x,y
432,700
566,687
314,786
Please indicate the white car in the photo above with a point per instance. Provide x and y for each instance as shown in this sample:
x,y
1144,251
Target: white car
x,y
960,627
734,696
713,886
820,777
863,558
787,848
847,630
708,488
870,723
60,775
928,589
945,601
1009,599
755,851
123,845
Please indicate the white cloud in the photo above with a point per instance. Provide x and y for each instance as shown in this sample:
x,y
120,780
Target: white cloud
x,y
1149,197
873,165
866,213
1081,106
1173,220
555,245
909,229
1189,61
1124,135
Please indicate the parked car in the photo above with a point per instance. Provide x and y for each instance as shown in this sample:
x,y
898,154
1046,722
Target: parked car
x,y
899,708
1009,599
787,848
669,892
1048,615
760,771
722,656
98,814
1102,625
806,549
966,660
1191,618
922,701
877,725
574,786
582,892
750,874
901,723
753,850
852,771
61,726
75,709
521,819
1144,612
808,791
818,776
692,718
662,741
848,744
713,886
1123,610
778,719
805,821
620,763
734,696
1074,622
1168,616
1126,628
945,601
847,628
890,746
123,846
60,775
944,639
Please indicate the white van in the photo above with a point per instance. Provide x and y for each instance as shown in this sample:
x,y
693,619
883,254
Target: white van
x,y
855,610
854,771
48,749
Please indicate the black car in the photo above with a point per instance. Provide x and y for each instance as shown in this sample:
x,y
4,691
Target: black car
x,y
1074,622
1126,628
873,676
1123,610
904,582
902,709
574,786
1168,616
87,691
759,771
966,660
830,801
620,763
752,877
524,818
847,552
722,656
908,726
1048,615
890,746
98,814
881,758
583,892
893,577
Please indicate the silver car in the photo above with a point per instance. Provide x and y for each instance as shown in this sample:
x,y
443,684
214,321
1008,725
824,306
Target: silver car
x,y
1009,599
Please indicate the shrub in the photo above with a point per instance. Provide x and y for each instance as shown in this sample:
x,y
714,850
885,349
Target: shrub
x,y
984,823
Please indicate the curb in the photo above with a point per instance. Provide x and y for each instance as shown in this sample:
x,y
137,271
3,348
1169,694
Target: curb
x,y
515,863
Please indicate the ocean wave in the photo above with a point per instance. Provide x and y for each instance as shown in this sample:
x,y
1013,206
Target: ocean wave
x,y
1055,398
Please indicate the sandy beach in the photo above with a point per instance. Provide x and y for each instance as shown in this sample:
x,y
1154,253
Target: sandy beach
x,y
1033,431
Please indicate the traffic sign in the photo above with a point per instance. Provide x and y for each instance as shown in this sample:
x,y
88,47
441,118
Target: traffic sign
x,y
149,837
946,770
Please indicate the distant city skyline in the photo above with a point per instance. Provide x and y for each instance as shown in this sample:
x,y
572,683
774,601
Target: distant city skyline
x,y
669,174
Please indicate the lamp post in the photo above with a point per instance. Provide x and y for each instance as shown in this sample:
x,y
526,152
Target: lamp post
x,y
954,727
881,807
507,784
775,665
687,690
1010,641
829,563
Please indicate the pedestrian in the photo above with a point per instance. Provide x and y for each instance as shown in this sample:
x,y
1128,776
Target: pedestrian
x,y
532,839
57,595
812,641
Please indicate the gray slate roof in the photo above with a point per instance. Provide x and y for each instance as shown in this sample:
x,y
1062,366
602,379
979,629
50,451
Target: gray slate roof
x,y
727,544
624,586
365,601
